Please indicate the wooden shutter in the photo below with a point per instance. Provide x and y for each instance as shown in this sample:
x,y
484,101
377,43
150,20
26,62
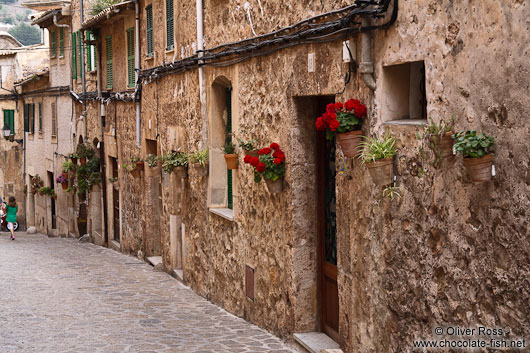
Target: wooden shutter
x,y
40,117
74,56
80,41
230,201
26,117
61,41
54,119
108,48
9,120
149,20
88,52
170,33
53,44
130,58
32,117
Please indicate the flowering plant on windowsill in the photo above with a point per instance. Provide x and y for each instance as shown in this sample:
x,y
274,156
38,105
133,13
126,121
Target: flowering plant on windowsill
x,y
270,163
61,179
341,117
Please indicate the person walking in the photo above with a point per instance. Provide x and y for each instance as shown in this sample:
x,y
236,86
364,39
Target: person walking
x,y
11,211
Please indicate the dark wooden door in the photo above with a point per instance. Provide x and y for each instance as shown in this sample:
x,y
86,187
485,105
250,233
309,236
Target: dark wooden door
x,y
327,239
115,202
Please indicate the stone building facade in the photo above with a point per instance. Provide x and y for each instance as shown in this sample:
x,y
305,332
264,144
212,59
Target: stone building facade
x,y
448,252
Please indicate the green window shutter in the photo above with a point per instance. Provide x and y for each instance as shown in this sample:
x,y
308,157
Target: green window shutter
x,y
61,42
40,117
170,33
79,40
230,200
9,120
149,20
26,117
53,44
130,58
88,52
32,117
108,48
74,56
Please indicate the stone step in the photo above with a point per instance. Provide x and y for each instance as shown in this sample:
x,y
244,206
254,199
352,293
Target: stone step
x,y
154,260
317,342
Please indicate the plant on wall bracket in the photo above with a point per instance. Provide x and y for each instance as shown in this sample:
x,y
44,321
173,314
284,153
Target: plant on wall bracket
x,y
436,144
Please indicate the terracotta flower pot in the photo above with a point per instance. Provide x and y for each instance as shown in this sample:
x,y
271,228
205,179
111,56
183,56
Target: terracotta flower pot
x,y
381,171
444,145
231,161
140,165
276,186
349,142
74,160
54,197
41,193
479,169
253,153
64,186
82,161
181,172
135,173
200,170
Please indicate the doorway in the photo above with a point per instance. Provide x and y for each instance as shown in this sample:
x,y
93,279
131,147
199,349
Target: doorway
x,y
153,204
115,200
51,182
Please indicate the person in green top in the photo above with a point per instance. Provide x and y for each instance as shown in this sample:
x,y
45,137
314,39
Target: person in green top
x,y
11,211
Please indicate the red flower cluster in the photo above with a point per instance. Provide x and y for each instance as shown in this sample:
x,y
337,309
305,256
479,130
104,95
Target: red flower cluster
x,y
278,156
329,118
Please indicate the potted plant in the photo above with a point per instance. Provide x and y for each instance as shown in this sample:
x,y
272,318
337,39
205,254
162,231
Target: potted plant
x,y
68,166
63,180
73,157
345,122
377,154
248,146
270,165
477,150
44,190
437,137
139,163
84,152
114,182
131,168
175,161
230,155
53,194
151,160
199,160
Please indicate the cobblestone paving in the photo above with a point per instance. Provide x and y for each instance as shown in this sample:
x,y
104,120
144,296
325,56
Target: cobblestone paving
x,y
59,295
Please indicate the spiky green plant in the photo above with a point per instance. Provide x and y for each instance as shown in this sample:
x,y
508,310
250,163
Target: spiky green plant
x,y
374,149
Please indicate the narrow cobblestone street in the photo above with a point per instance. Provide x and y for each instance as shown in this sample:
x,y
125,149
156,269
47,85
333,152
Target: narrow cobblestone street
x,y
59,295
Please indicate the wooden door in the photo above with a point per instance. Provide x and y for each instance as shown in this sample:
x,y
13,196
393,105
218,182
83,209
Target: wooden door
x,y
327,237
115,202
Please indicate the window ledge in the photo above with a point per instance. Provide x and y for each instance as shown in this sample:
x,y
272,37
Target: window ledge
x,y
170,50
226,213
414,122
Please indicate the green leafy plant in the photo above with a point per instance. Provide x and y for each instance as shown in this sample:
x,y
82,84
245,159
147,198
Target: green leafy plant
x,y
68,166
135,159
270,164
113,180
229,148
392,192
52,193
246,145
472,145
151,160
174,159
88,175
44,190
70,189
341,117
199,157
374,149
85,151
433,144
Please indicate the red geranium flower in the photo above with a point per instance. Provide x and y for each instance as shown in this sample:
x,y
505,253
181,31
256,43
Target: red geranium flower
x,y
334,124
265,150
274,146
320,124
349,105
360,110
330,108
338,106
277,161
260,167
254,161
247,159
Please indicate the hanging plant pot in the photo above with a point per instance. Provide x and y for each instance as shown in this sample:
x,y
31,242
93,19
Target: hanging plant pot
x,y
140,165
64,186
349,142
231,161
54,197
253,153
181,172
443,144
275,186
200,170
135,173
74,160
82,161
479,169
381,171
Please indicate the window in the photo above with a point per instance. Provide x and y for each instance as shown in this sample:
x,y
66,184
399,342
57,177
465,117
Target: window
x,y
404,93
108,49
54,119
130,58
61,42
90,52
53,44
40,117
9,120
230,201
149,20
32,118
80,42
170,33
29,118
74,56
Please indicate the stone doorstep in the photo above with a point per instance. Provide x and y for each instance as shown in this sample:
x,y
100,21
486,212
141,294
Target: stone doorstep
x,y
154,260
317,342
178,274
